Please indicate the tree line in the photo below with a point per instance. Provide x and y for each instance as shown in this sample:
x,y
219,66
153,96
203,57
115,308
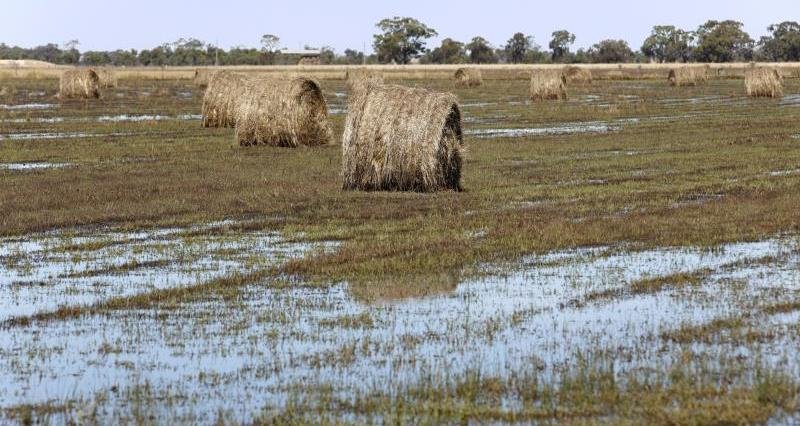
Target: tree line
x,y
403,40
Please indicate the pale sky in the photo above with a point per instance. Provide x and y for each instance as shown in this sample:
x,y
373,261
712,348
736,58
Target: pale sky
x,y
108,24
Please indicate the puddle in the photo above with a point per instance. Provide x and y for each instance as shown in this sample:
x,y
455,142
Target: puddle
x,y
337,111
790,100
57,135
698,199
33,166
563,129
34,120
107,119
43,272
238,356
778,173
137,118
477,104
27,106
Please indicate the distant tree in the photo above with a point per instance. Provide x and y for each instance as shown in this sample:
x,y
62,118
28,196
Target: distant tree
x,y
401,39
668,44
72,44
450,52
70,55
783,44
517,47
480,51
270,42
560,44
96,58
327,55
353,57
723,41
611,52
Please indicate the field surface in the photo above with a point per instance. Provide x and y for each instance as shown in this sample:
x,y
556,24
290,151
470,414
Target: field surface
x,y
628,256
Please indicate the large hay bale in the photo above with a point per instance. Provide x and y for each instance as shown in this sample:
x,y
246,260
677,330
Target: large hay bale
x,y
81,83
282,112
402,139
763,82
468,77
221,98
108,78
202,77
577,75
548,85
687,76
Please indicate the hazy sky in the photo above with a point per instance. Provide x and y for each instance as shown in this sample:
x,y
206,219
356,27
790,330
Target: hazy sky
x,y
108,24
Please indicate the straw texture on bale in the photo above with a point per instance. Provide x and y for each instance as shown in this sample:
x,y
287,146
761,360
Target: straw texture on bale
x,y
547,85
577,75
79,83
202,77
282,112
108,78
221,98
468,77
402,139
687,76
763,82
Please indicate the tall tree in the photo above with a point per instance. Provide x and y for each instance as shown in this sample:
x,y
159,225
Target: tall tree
x,y
517,47
480,51
611,52
667,43
783,44
560,44
450,52
270,42
723,41
401,39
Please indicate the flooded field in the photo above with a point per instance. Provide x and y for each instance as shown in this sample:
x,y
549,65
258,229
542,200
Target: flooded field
x,y
631,255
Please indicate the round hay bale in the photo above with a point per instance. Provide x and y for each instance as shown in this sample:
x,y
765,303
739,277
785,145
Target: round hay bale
x,y
202,77
108,78
687,76
548,85
82,83
468,77
361,77
402,139
221,97
284,113
577,75
763,82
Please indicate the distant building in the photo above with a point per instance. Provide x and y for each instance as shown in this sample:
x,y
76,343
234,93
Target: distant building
x,y
304,56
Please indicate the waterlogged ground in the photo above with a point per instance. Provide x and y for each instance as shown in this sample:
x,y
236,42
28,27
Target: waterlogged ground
x,y
630,255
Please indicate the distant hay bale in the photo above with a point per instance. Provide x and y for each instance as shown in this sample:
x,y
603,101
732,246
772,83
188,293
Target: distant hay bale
x,y
108,78
81,83
282,112
402,139
361,77
202,77
548,85
679,77
221,97
688,76
763,82
468,77
577,75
